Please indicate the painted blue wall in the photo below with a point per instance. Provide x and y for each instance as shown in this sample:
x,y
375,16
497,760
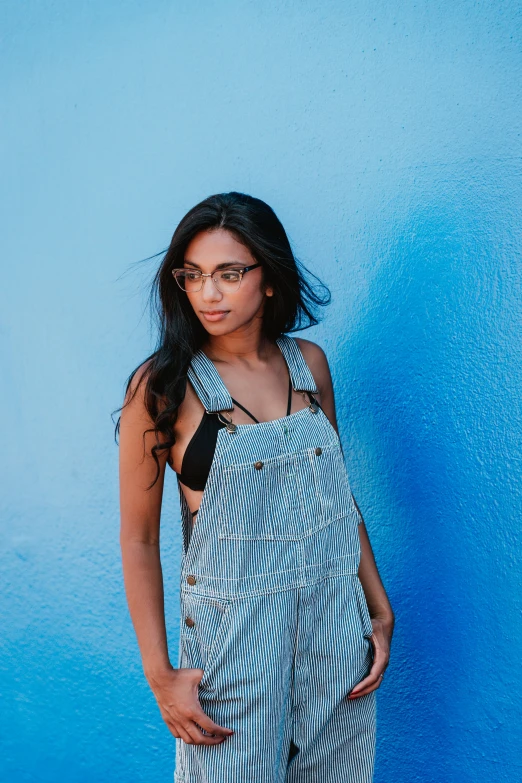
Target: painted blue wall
x,y
387,138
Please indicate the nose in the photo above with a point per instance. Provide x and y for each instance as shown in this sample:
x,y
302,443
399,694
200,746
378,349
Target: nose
x,y
210,293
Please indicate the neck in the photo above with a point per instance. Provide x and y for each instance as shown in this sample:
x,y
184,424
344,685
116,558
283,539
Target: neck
x,y
238,347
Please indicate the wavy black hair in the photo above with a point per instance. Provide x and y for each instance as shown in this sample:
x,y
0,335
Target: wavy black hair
x,y
291,308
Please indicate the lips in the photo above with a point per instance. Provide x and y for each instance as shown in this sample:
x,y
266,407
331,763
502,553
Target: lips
x,y
214,315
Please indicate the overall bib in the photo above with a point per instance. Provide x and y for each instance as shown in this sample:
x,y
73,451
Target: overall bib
x,y
272,608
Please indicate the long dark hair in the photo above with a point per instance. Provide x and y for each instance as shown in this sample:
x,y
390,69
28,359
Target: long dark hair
x,y
291,308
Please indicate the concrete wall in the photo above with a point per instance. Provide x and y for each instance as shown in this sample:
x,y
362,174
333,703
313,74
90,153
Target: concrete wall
x,y
387,139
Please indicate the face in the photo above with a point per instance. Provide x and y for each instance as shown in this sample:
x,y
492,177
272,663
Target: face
x,y
222,313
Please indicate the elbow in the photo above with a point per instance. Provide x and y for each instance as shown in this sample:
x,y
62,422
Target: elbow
x,y
144,536
132,542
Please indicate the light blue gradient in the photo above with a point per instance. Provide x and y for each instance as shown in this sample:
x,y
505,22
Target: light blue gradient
x,y
387,139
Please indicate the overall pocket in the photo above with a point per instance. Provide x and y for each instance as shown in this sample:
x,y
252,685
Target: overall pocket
x,y
364,613
282,498
202,624
331,484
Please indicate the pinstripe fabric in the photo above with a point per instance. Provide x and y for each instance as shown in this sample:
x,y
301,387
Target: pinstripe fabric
x,y
281,625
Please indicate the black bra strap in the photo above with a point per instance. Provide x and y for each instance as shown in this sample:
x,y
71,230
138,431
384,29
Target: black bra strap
x,y
244,409
289,397
313,399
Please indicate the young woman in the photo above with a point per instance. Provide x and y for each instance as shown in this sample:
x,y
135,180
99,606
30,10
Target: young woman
x,y
285,624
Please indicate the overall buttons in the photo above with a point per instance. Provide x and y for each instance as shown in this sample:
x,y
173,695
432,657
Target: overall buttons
x,y
318,450
258,465
191,580
190,622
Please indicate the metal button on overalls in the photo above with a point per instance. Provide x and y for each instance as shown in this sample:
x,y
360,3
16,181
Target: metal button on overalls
x,y
277,602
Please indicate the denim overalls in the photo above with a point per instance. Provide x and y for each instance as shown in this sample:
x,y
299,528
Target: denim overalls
x,y
272,608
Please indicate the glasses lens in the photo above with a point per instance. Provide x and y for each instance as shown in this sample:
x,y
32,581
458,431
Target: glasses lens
x,y
228,280
188,279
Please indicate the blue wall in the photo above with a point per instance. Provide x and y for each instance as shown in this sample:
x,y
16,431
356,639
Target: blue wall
x,y
387,139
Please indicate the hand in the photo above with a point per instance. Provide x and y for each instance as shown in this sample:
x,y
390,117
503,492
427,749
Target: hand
x,y
380,639
176,692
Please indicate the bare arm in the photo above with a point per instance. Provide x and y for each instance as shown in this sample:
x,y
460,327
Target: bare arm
x,y
140,535
176,690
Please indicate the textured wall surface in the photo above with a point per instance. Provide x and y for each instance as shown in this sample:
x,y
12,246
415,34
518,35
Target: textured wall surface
x,y
387,138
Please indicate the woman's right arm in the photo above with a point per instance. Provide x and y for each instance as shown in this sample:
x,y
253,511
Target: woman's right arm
x,y
176,690
139,531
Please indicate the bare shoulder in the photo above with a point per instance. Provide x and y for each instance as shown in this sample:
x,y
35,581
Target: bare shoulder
x,y
138,434
317,361
135,392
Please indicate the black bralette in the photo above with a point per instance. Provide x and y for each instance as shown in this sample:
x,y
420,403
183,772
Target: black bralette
x,y
199,453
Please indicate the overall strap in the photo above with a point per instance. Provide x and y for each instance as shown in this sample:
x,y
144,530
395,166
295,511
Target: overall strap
x,y
208,385
300,374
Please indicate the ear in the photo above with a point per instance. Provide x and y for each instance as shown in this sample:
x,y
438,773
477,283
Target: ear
x,y
269,291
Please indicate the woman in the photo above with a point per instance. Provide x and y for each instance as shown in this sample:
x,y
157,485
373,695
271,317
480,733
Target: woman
x,y
285,624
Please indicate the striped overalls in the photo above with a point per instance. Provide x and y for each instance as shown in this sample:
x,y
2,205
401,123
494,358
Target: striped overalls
x,y
277,616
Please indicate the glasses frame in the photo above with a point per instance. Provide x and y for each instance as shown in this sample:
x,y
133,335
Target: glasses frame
x,y
241,271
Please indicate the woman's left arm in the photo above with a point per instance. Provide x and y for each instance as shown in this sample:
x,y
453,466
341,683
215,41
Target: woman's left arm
x,y
381,612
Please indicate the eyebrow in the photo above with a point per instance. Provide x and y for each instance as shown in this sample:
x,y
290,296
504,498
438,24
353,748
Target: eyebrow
x,y
219,266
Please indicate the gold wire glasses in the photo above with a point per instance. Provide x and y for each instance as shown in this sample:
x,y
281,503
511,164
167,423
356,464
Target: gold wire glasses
x,y
225,280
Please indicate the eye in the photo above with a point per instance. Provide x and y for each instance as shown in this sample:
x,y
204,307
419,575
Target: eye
x,y
230,275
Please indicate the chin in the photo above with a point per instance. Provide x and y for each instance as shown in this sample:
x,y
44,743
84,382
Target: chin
x,y
217,328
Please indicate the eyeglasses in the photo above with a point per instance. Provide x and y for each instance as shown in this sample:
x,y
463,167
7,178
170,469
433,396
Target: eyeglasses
x,y
225,280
